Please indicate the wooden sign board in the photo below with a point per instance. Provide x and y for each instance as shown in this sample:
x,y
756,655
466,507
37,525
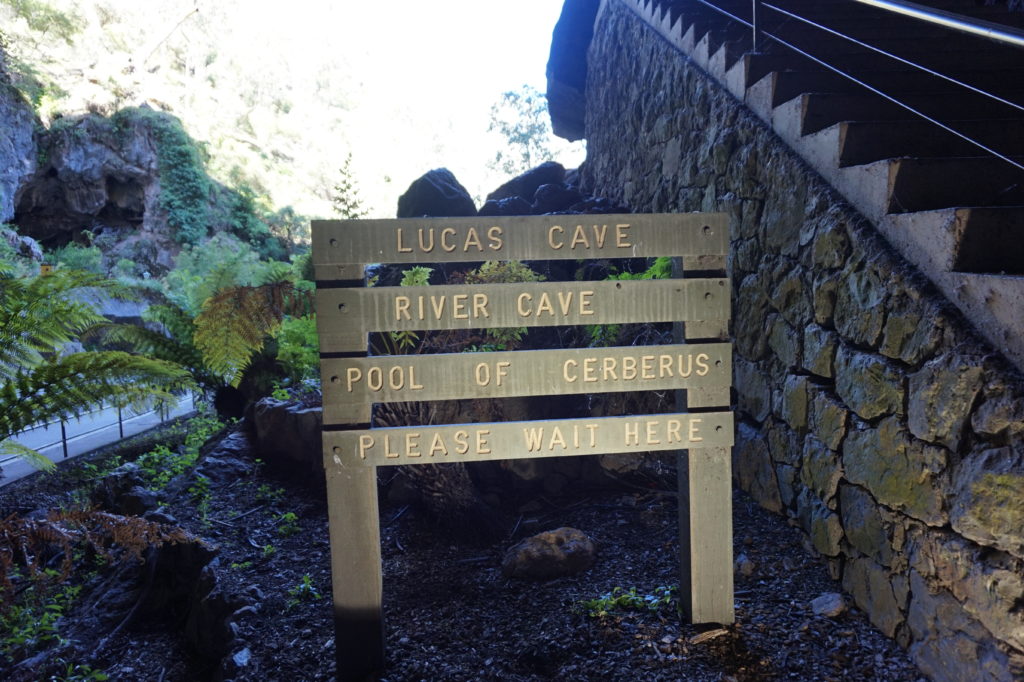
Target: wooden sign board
x,y
353,381
521,440
453,376
445,240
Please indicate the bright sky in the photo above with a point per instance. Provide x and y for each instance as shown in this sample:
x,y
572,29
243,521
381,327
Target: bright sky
x,y
404,85
418,66
447,61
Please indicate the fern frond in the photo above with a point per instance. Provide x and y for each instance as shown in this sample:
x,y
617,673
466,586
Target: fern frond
x,y
234,323
33,457
62,388
278,272
40,314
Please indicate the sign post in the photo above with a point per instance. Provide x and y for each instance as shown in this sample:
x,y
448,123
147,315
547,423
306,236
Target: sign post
x,y
701,430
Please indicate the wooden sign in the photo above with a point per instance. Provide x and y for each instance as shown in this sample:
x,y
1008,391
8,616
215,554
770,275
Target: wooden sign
x,y
452,376
443,240
344,315
520,440
701,432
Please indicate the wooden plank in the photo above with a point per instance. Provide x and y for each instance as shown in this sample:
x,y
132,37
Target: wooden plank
x,y
345,313
453,376
709,488
445,240
356,583
520,440
705,507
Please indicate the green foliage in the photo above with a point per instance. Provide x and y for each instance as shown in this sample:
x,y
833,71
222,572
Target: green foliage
x,y
38,316
61,388
267,551
44,18
249,213
77,672
46,23
303,591
17,266
161,464
200,271
287,524
268,494
234,322
41,314
32,623
79,257
184,183
298,348
496,272
521,118
620,599
608,334
199,491
417,276
345,196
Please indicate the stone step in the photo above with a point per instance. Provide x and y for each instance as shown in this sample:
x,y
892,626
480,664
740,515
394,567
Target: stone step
x,y
866,141
927,184
785,85
896,185
937,55
990,240
823,109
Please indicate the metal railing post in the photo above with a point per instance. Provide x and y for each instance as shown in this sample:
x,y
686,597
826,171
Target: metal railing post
x,y
755,25
120,423
64,438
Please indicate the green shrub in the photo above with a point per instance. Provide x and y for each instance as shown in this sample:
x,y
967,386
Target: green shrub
x,y
298,348
78,257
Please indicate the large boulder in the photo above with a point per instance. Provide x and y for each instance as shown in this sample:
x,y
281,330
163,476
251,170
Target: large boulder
x,y
526,185
436,193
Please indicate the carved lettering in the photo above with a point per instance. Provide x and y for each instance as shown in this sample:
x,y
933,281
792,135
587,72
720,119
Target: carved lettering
x,y
449,240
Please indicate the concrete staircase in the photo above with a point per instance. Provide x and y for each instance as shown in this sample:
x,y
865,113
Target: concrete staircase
x,y
951,209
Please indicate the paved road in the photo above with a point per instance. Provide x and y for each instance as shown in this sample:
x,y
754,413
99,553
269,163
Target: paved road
x,y
91,431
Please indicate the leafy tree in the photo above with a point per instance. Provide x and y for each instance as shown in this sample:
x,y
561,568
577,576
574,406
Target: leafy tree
x,y
45,19
345,195
38,316
521,118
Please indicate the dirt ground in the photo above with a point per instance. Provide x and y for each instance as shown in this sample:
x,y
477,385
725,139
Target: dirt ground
x,y
449,613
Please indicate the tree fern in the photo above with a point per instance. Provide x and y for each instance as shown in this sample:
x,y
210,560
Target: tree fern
x,y
234,323
62,388
39,315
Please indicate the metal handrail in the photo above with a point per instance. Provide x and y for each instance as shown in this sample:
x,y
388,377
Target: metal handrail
x,y
977,27
957,22
1008,159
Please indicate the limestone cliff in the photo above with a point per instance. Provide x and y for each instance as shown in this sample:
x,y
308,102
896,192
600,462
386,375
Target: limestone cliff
x,y
17,142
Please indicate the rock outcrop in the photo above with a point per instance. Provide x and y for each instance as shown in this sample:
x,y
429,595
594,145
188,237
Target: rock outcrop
x,y
17,142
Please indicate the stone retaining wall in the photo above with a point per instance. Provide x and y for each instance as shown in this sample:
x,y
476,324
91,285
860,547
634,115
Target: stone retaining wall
x,y
869,412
